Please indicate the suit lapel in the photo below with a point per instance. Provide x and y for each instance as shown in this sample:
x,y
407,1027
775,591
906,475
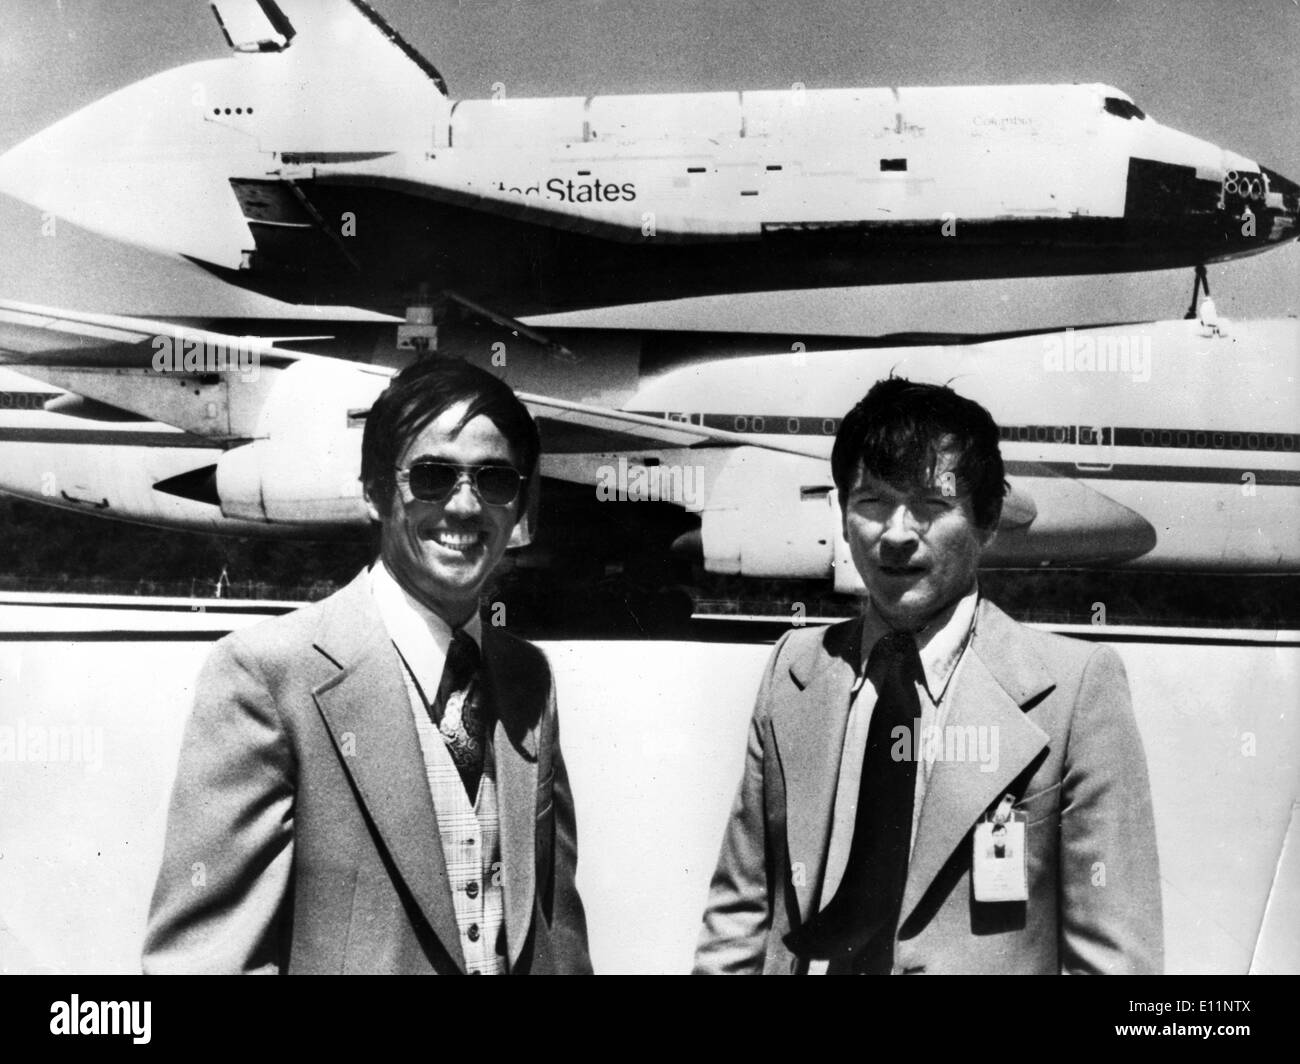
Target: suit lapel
x,y
999,676
518,699
809,733
367,711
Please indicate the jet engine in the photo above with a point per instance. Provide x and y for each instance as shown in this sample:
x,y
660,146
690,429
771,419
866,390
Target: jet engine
x,y
303,466
771,515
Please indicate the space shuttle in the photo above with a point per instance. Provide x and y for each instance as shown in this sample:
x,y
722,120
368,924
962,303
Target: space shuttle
x,y
324,160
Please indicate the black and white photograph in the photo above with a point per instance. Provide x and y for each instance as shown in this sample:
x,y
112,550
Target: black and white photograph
x,y
664,487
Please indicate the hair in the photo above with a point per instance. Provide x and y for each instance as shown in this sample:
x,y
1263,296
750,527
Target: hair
x,y
900,427
423,392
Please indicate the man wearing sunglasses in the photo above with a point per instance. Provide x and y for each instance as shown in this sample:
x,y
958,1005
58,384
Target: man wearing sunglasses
x,y
374,783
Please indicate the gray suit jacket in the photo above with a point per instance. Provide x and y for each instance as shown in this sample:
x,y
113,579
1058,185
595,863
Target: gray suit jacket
x,y
1068,750
302,835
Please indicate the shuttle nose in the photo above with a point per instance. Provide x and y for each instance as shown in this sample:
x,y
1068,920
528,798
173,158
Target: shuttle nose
x,y
32,172
76,170
140,166
14,166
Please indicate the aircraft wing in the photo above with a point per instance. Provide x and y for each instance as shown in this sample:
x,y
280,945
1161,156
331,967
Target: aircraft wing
x,y
32,335
579,428
111,358
216,385
206,383
102,357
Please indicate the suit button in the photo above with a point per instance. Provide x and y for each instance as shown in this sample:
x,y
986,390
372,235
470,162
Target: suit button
x,y
472,933
471,889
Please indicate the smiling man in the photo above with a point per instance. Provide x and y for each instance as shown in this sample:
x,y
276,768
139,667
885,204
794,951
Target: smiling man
x,y
933,787
374,783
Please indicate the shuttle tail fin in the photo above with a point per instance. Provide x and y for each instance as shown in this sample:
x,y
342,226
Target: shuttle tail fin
x,y
253,25
399,42
351,27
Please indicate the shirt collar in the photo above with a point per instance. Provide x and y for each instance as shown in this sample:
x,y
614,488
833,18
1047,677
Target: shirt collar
x,y
939,644
420,635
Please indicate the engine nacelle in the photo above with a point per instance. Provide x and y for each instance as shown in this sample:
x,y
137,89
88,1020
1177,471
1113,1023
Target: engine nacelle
x,y
304,466
771,514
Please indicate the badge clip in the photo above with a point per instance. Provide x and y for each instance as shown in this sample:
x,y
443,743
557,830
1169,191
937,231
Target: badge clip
x,y
999,870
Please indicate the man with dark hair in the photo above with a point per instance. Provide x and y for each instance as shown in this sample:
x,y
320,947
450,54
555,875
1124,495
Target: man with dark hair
x,y
374,783
933,787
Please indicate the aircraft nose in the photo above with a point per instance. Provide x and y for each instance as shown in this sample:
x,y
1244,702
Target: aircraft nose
x,y
1261,203
1283,195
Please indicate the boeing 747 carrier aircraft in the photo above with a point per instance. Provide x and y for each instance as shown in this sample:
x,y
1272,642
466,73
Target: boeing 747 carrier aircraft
x,y
171,425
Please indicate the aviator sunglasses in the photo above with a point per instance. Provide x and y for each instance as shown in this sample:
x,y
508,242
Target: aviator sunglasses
x,y
432,481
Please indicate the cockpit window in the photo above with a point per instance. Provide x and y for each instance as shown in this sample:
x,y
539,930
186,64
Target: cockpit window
x,y
1124,108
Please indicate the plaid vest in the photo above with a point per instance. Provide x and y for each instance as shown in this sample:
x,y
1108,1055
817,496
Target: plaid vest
x,y
471,844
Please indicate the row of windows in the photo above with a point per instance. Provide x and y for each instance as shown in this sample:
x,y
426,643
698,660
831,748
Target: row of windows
x,y
1055,433
766,424
1128,437
25,400
1092,435
1232,441
776,424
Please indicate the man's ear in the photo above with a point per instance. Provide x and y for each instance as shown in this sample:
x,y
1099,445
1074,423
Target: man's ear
x,y
526,523
988,534
375,513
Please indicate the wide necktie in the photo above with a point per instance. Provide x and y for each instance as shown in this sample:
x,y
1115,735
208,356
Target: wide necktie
x,y
855,931
458,711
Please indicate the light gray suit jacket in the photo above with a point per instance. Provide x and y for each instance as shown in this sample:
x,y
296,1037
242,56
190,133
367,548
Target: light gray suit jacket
x,y
1068,750
302,835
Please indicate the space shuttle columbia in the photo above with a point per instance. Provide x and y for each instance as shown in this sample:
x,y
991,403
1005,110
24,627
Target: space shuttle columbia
x,y
323,161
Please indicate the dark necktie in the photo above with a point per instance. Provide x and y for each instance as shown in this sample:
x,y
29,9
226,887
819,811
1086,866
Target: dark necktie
x,y
855,931
458,709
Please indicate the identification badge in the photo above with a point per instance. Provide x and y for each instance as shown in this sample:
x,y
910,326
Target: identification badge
x,y
999,867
